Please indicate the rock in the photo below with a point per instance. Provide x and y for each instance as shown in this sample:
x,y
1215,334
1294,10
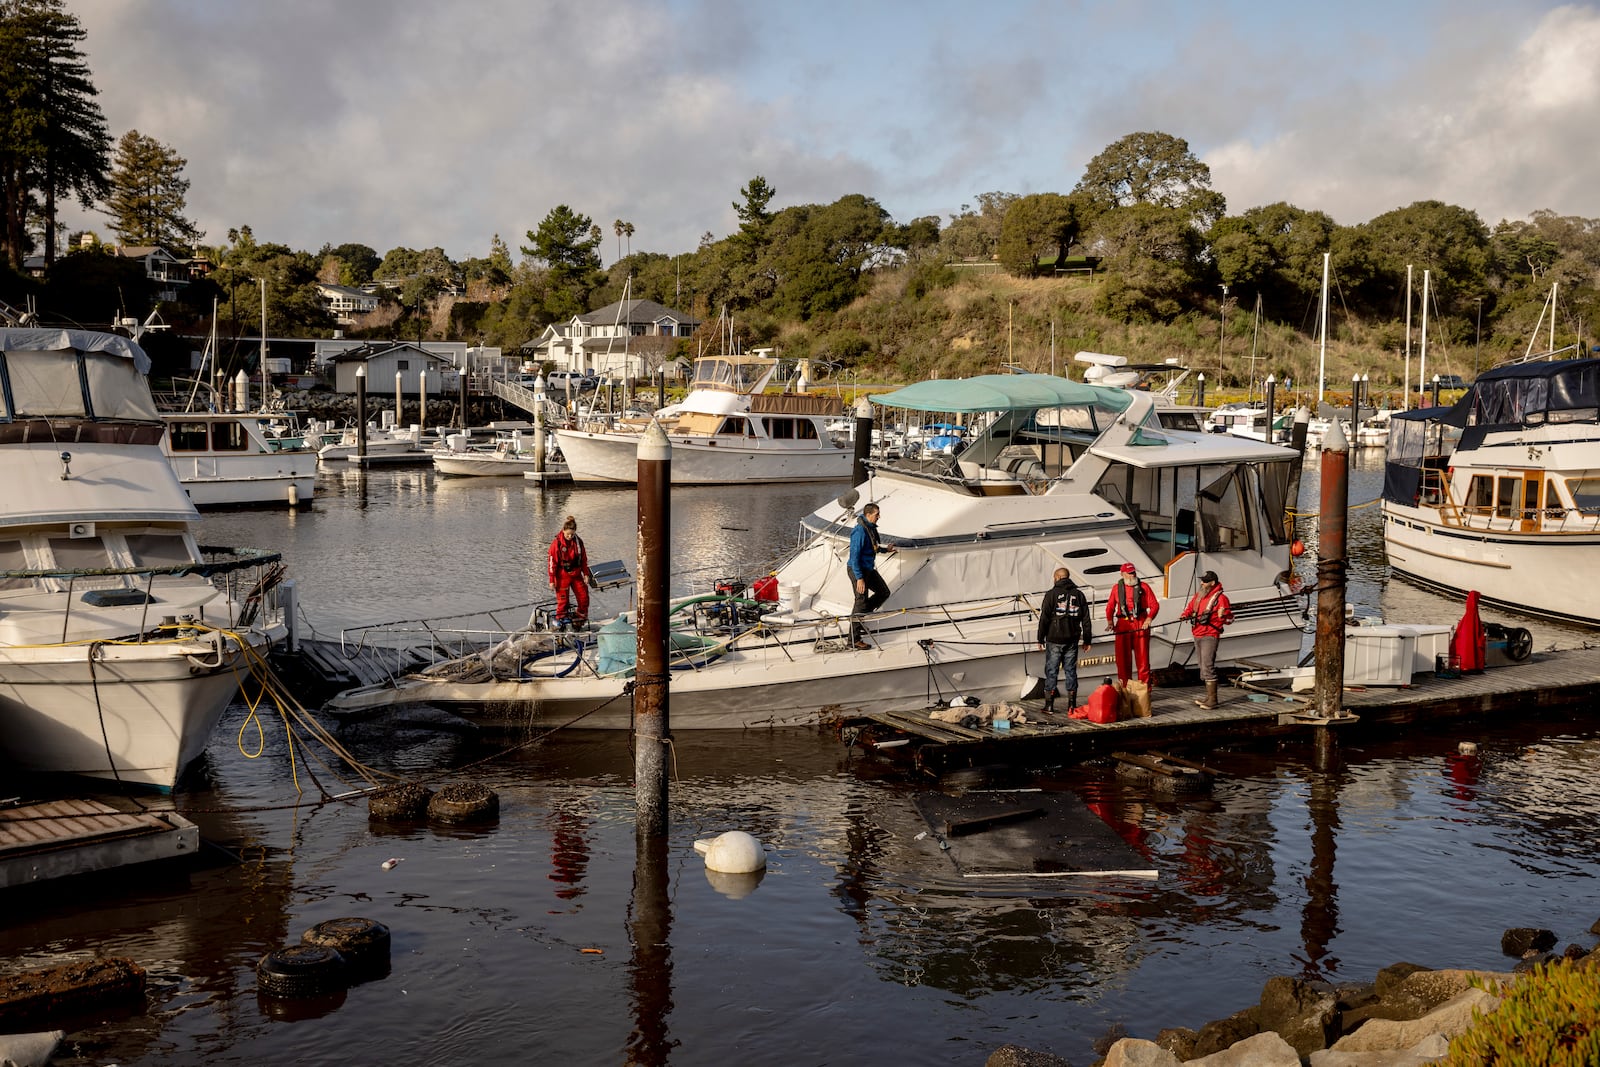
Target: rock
x,y
1391,1035
1178,1040
29,1050
1532,961
1136,1052
1430,1050
1017,1056
1417,994
1594,927
1573,952
1518,940
1225,1033
1263,1050
1394,973
1298,1012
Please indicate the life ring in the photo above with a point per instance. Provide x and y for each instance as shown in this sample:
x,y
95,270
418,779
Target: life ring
x,y
463,802
363,943
301,971
401,803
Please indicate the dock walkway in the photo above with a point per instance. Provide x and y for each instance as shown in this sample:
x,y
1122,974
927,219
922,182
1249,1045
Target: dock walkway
x,y
1543,681
60,838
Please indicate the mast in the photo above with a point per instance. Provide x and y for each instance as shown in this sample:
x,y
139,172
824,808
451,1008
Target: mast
x,y
1422,367
263,282
1322,327
1405,400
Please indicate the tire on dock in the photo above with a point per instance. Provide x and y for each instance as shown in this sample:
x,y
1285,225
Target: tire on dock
x,y
464,802
364,944
406,802
301,971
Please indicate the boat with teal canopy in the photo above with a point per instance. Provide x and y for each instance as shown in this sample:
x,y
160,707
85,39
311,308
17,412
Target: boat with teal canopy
x,y
1003,392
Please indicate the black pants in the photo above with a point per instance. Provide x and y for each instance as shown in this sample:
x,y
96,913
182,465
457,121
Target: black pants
x,y
868,602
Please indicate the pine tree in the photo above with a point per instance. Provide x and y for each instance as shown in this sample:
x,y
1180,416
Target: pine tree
x,y
53,138
147,195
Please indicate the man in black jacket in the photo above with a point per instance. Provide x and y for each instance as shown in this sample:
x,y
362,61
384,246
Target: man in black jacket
x,y
1063,626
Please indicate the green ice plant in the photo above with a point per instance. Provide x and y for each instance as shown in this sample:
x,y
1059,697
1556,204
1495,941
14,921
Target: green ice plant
x,y
1550,1018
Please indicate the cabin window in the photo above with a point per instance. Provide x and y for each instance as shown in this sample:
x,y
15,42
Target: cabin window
x,y
1553,505
13,558
79,553
229,437
1480,494
157,549
733,425
187,436
1585,493
790,429
1508,498
116,388
39,386
1275,501
1222,508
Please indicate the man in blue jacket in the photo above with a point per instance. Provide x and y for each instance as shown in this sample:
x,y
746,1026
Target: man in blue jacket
x,y
871,591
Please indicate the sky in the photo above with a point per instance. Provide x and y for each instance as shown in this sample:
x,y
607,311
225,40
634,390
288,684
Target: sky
x,y
424,123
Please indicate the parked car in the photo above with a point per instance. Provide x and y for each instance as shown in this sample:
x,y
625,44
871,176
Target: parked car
x,y
557,381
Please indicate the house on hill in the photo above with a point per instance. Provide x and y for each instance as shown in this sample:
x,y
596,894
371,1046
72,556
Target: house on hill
x,y
628,339
344,302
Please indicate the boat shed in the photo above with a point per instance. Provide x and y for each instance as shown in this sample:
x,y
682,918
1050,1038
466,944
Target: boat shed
x,y
384,359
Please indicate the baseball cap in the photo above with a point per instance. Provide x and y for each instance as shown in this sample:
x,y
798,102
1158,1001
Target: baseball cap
x,y
1128,568
1209,576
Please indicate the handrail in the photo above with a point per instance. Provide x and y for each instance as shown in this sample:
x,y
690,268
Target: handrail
x,y
205,569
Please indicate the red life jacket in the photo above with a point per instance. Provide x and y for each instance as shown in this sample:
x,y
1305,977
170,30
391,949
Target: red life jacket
x,y
1127,607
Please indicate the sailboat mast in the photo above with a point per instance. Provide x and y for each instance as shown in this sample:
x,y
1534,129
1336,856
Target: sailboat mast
x,y
1405,399
1322,328
1422,367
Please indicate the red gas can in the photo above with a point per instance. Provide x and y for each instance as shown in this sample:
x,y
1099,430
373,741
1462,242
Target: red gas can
x,y
1102,706
766,588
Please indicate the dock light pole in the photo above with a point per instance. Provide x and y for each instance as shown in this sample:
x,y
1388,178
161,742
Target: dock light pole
x,y
361,412
651,717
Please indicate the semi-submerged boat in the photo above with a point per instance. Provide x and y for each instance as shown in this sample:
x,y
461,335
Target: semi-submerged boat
x,y
727,431
122,640
1055,473
1500,492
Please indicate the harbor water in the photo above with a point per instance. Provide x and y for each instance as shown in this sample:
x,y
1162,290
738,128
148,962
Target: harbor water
x,y
545,936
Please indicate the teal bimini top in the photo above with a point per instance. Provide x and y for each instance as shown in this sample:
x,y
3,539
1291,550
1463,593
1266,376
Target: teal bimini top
x,y
1003,392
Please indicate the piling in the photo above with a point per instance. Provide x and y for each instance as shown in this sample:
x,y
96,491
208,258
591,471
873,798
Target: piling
x,y
538,432
1297,441
1272,396
1200,386
651,718
466,420
422,404
1355,409
1331,564
361,412
650,964
399,399
862,442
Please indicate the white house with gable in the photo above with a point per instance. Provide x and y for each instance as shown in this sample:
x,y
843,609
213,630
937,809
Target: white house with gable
x,y
624,339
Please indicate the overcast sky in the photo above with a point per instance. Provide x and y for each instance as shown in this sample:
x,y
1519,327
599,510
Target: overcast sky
x,y
443,122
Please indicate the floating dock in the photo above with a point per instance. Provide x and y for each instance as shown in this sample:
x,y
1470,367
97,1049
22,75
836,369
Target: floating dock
x,y
61,838
1543,681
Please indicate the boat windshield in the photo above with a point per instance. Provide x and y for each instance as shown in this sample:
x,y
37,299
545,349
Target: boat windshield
x,y
727,372
48,374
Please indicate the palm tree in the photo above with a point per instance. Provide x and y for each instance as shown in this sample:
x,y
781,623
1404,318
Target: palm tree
x,y
618,227
627,231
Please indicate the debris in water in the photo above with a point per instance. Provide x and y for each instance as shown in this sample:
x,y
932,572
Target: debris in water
x,y
390,863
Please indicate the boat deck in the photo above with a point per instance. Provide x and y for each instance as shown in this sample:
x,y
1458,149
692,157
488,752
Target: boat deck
x,y
1544,681
60,838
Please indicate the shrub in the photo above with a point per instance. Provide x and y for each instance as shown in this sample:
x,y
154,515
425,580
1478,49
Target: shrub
x,y
1551,1018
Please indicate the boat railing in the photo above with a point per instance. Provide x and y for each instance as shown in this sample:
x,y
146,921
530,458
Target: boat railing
x,y
250,578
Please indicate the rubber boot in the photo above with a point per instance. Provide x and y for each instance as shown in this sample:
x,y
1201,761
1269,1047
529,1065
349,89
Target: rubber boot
x,y
1072,699
1050,702
1210,700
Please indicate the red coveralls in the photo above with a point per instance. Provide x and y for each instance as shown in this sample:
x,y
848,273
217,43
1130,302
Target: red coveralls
x,y
1127,609
569,573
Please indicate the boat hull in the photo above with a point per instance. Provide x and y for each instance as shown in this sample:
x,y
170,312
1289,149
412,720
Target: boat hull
x,y
464,464
1529,573
296,482
150,707
613,458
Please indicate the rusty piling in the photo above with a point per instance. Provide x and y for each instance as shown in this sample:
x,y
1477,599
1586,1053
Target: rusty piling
x,y
651,718
1331,566
862,442
361,412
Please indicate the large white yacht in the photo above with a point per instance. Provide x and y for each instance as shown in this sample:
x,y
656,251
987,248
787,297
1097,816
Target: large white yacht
x,y
1500,492
122,641
728,430
1056,473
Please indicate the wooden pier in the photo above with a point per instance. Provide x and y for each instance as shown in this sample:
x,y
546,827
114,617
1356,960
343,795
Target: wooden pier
x,y
1543,681
60,838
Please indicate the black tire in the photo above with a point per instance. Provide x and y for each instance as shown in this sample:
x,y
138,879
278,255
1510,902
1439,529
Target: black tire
x,y
463,802
363,943
1519,644
405,802
301,971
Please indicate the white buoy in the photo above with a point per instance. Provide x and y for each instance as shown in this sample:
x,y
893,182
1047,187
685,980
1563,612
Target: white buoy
x,y
734,886
734,852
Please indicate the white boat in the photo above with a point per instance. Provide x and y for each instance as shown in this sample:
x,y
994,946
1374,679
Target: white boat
x,y
384,439
122,641
1161,380
1500,492
227,459
726,431
509,455
1056,472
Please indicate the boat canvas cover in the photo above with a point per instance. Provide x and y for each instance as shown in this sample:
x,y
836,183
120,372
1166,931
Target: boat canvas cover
x,y
36,386
1003,392
1520,394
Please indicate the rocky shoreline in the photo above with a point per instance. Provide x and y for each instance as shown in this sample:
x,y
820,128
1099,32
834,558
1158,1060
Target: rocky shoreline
x,y
1407,1015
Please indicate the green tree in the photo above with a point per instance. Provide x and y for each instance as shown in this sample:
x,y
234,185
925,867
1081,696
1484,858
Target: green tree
x,y
1033,226
1151,168
1449,241
976,234
348,264
1155,252
566,243
148,195
53,137
753,215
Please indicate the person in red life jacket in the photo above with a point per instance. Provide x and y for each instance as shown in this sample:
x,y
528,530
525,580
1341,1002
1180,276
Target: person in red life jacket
x,y
570,575
1130,608
1208,611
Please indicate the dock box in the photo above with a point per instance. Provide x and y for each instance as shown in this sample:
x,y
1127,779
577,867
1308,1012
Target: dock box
x,y
1378,655
1432,646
